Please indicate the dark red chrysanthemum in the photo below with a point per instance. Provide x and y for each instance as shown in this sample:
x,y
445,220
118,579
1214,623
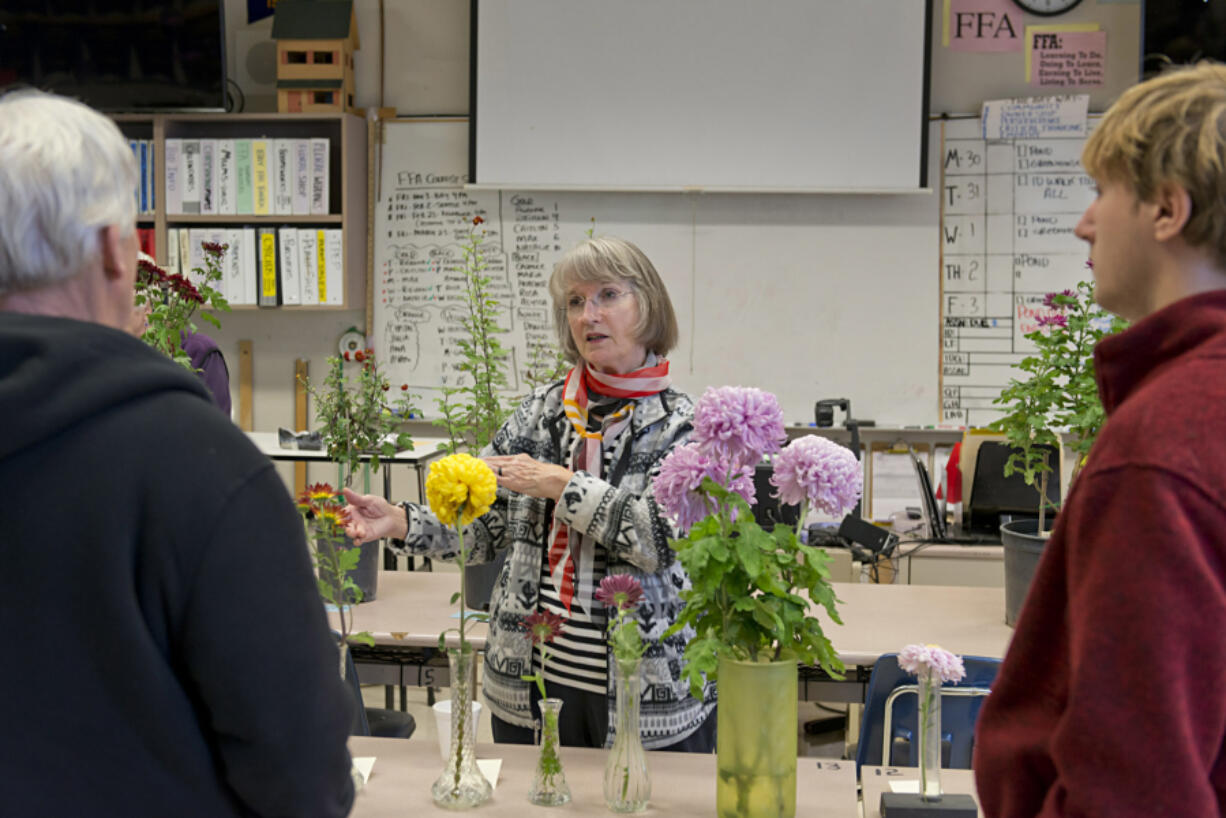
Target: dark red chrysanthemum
x,y
620,591
543,626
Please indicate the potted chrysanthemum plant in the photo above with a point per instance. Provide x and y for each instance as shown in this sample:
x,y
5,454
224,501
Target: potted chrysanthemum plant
x,y
753,626
334,556
459,489
169,302
1059,394
360,415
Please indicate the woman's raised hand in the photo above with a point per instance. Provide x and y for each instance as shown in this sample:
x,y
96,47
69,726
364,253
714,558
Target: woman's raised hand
x,y
521,473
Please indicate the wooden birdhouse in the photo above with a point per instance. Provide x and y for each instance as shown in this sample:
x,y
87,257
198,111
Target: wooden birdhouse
x,y
315,44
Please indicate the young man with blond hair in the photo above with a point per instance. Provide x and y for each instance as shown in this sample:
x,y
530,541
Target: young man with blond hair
x,y
1112,698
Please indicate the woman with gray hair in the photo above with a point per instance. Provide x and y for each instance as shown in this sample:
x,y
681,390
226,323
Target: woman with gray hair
x,y
574,465
147,540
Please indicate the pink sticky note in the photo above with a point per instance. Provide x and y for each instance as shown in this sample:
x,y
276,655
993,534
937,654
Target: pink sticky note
x,y
1068,59
984,25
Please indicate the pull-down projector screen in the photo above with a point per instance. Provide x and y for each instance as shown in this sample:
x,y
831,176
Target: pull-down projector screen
x,y
764,95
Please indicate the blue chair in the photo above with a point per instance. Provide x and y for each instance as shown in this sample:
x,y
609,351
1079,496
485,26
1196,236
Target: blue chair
x,y
888,729
374,721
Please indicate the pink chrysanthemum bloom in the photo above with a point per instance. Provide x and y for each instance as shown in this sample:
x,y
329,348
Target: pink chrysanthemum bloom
x,y
821,471
620,591
738,424
681,473
933,661
1052,320
1060,300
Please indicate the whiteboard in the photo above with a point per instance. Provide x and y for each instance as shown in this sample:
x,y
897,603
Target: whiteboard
x,y
716,94
1009,208
808,296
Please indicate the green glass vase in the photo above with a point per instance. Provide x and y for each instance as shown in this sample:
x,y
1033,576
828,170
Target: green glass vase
x,y
756,741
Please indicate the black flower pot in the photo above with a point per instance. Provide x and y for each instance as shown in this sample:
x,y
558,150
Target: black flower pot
x,y
1023,547
366,574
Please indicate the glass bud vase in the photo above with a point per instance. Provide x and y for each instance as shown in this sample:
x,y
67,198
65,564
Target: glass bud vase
x,y
549,787
461,784
627,783
930,736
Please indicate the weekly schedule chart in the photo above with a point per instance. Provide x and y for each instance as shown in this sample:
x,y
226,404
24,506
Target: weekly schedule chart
x,y
1008,210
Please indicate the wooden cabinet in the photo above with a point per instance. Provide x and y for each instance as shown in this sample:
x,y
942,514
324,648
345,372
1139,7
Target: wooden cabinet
x,y
347,175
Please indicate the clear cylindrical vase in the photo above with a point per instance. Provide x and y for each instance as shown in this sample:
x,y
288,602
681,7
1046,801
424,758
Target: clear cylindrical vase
x,y
549,787
930,736
461,784
627,783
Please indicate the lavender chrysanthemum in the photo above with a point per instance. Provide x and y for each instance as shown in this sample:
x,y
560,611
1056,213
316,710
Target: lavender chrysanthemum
x,y
738,424
821,471
677,485
932,659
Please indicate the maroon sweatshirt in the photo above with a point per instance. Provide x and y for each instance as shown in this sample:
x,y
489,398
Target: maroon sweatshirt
x,y
1112,697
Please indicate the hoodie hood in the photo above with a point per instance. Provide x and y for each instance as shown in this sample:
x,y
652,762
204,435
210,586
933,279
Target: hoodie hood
x,y
55,372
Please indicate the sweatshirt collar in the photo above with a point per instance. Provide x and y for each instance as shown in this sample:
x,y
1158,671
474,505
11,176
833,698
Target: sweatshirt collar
x,y
1123,362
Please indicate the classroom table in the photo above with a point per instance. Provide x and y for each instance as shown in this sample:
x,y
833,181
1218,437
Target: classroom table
x,y
425,449
682,783
876,780
414,607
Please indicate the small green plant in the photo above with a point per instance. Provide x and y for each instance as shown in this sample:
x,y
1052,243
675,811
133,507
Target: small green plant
x,y
473,411
360,417
1060,392
170,301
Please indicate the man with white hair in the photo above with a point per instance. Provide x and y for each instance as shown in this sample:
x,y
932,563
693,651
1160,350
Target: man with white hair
x,y
170,655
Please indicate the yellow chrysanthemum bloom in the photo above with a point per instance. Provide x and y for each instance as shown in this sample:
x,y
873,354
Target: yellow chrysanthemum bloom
x,y
460,480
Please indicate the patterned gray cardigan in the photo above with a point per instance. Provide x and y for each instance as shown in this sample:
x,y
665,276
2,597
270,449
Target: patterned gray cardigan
x,y
623,518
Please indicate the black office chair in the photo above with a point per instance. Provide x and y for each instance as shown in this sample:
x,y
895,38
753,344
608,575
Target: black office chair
x,y
375,721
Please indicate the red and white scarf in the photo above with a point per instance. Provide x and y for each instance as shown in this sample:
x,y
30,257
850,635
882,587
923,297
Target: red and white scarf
x,y
572,554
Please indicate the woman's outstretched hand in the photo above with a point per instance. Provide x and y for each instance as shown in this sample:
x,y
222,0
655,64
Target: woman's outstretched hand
x,y
372,518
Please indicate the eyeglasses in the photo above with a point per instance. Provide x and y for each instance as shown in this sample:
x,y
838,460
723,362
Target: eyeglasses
x,y
604,299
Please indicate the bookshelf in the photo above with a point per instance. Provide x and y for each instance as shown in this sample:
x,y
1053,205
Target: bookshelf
x,y
346,134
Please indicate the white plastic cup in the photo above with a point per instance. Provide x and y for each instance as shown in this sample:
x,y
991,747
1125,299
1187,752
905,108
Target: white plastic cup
x,y
442,720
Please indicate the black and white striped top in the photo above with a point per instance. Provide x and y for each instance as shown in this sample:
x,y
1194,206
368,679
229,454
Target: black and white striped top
x,y
578,657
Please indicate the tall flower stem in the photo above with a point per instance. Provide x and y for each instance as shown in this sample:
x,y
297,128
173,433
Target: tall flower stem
x,y
930,735
463,717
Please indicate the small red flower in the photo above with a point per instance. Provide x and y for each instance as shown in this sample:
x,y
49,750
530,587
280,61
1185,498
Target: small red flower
x,y
478,220
543,626
386,387
213,248
404,387
359,356
346,355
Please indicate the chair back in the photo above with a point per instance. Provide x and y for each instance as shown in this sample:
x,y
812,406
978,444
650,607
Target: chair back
x,y
888,734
